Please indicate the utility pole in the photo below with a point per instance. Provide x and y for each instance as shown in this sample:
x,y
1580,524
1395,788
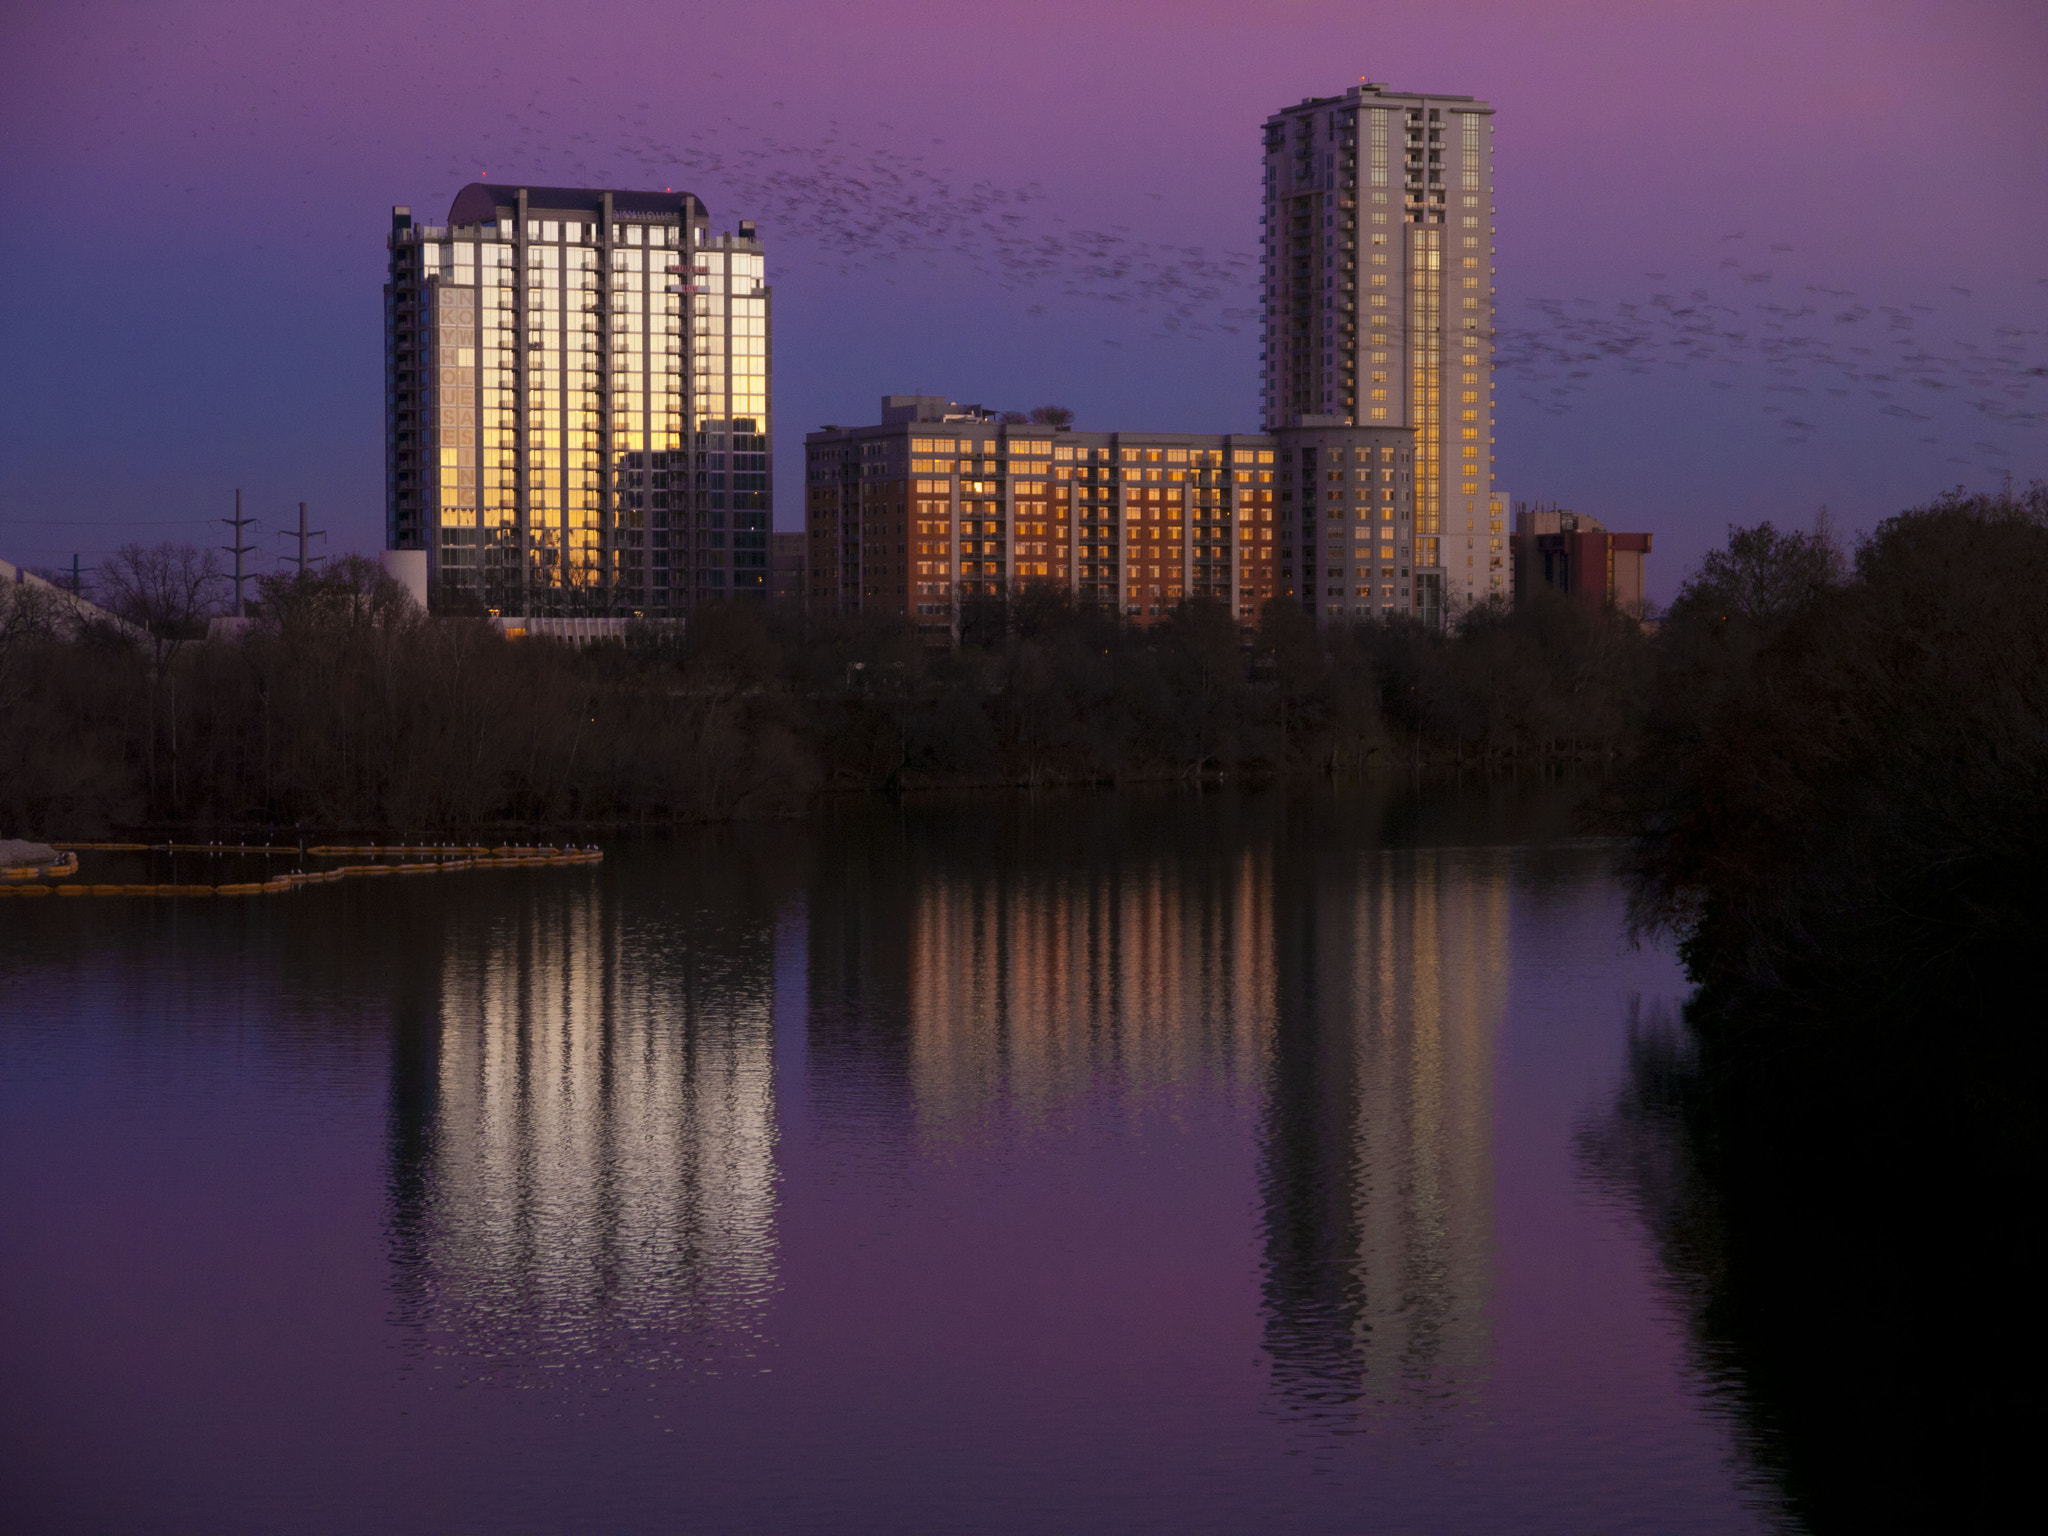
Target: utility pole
x,y
304,534
77,590
237,549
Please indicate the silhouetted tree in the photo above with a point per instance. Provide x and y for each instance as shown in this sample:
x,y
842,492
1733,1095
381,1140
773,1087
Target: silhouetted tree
x,y
166,590
1839,778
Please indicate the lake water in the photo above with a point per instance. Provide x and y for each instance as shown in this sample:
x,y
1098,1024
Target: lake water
x,y
1111,1162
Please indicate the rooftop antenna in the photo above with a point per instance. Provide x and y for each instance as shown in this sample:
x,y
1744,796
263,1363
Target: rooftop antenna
x,y
237,549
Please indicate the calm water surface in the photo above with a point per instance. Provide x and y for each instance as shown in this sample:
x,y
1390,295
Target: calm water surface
x,y
1096,1163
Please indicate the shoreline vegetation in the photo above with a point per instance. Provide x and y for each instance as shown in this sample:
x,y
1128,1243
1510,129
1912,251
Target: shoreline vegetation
x,y
1838,806
1804,740
1831,769
341,707
1839,789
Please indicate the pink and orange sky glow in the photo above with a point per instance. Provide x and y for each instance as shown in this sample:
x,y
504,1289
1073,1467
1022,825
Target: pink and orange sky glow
x,y
1753,258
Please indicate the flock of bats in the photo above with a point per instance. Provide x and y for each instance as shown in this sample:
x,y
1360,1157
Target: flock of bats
x,y
835,204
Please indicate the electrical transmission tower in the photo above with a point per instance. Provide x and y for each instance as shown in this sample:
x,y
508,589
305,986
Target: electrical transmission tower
x,y
237,549
302,535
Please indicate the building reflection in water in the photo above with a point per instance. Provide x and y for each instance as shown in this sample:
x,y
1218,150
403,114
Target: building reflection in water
x,y
1362,989
1378,1163
586,1167
1028,991
584,1139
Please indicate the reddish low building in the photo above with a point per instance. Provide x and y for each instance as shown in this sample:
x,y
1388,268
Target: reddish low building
x,y
1577,555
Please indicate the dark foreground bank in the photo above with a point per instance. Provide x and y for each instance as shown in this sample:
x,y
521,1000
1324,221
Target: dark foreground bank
x,y
1839,799
1839,802
1856,1273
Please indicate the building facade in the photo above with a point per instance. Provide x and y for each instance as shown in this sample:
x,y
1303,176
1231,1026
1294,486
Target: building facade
x,y
938,504
788,584
1378,251
1560,551
577,402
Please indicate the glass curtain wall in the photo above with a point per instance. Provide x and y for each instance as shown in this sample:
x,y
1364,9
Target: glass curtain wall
x,y
577,403
498,312
647,406
729,371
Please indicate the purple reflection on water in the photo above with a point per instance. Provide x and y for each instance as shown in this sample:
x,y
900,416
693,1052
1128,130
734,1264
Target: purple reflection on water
x,y
1093,1175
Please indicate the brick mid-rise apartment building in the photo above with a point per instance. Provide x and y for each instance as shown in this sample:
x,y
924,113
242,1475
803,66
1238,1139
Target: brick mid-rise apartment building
x,y
939,503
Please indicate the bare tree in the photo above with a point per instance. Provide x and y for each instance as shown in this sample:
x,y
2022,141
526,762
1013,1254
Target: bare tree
x,y
30,610
31,615
1056,416
168,592
353,591
1764,575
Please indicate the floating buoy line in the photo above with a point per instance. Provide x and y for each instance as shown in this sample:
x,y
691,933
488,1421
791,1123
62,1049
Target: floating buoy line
x,y
406,859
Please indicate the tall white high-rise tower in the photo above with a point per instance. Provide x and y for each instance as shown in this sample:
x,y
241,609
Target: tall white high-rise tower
x,y
1378,257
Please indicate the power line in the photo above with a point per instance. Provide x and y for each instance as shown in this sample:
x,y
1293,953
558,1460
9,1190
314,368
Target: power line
x,y
65,550
105,522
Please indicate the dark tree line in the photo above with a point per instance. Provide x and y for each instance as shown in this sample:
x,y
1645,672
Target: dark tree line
x,y
1826,753
1839,801
1841,780
1839,805
342,705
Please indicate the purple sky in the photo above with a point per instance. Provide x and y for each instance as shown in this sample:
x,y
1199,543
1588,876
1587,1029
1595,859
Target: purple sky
x,y
198,194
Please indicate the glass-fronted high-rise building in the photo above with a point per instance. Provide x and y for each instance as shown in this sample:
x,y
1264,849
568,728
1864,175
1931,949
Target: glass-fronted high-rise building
x,y
577,416
1378,252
